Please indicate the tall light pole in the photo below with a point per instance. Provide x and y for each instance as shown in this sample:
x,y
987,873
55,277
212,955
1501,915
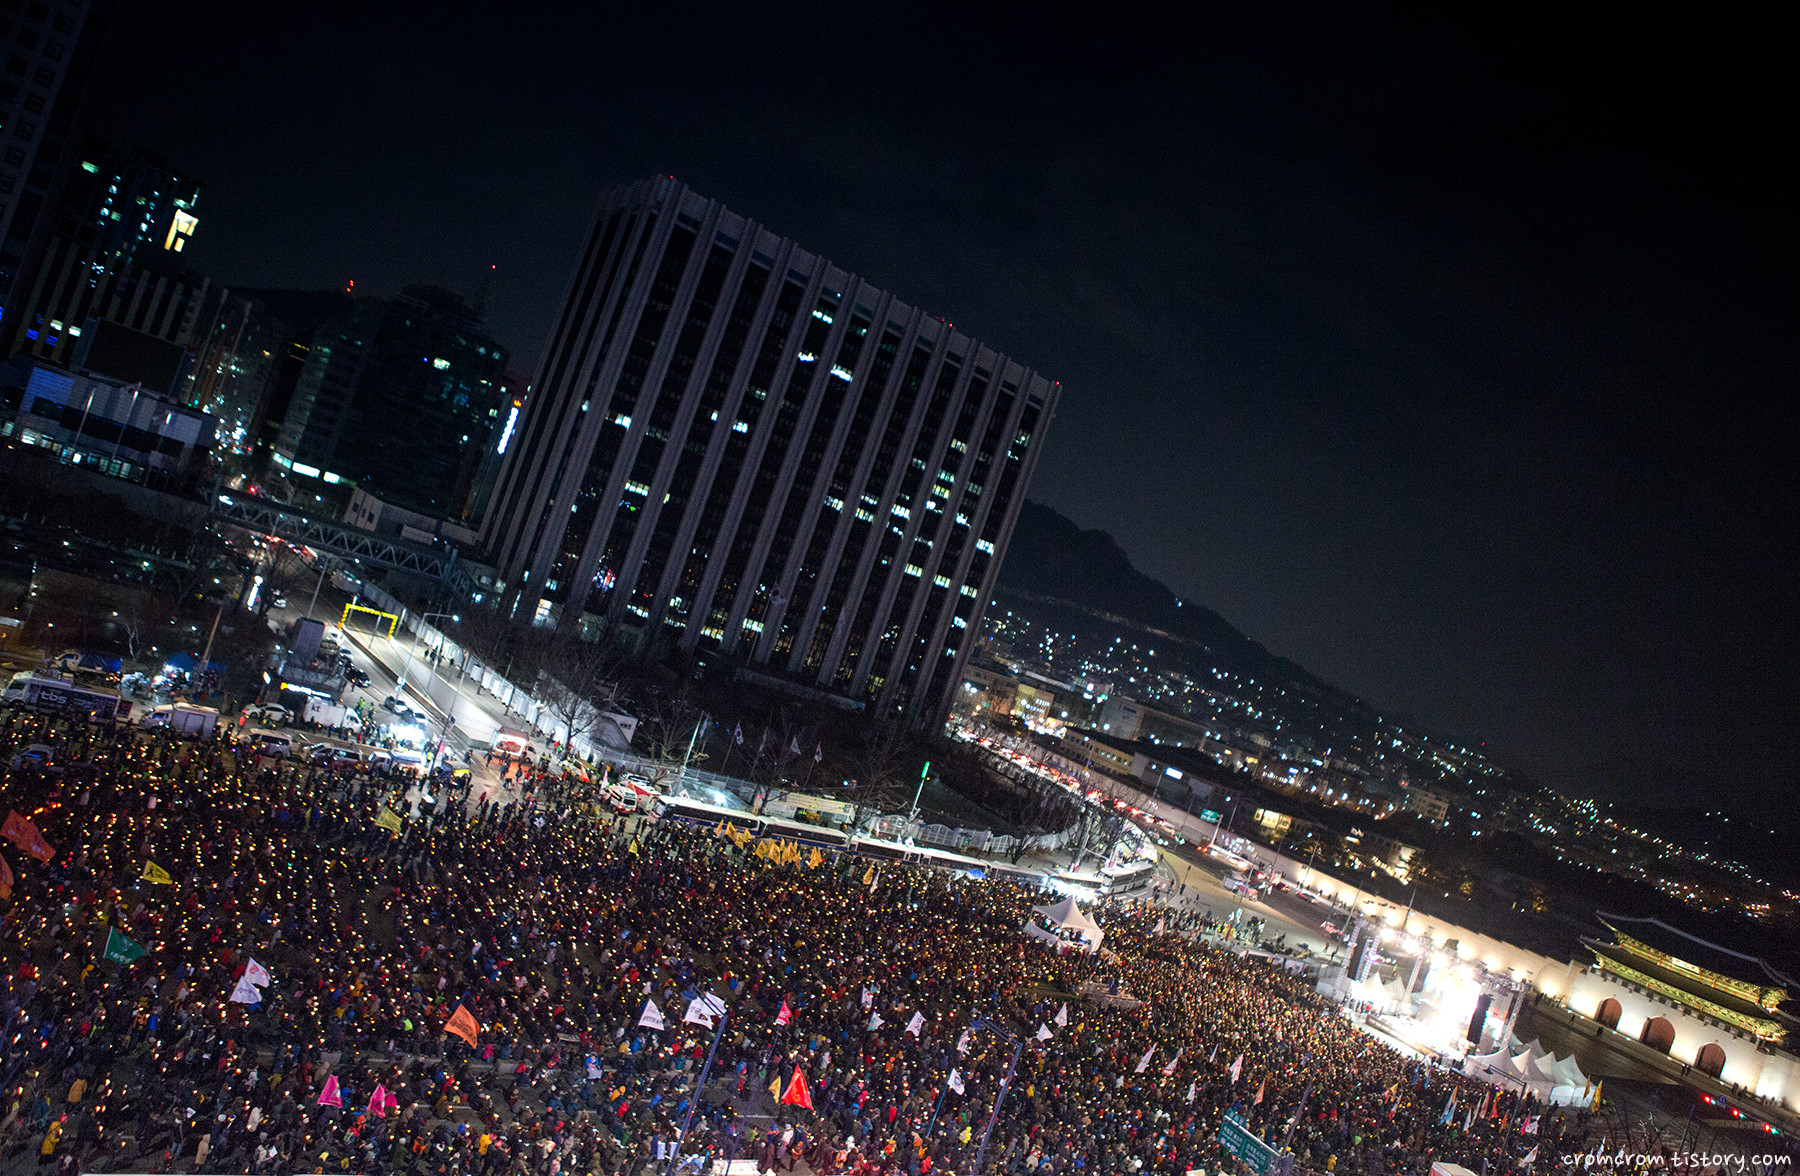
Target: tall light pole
x,y
324,570
924,774
406,671
130,415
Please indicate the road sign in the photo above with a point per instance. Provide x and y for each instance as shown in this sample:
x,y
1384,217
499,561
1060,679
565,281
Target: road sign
x,y
1236,1137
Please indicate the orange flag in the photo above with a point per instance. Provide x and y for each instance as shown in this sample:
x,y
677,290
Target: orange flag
x,y
463,1025
25,835
797,1095
6,879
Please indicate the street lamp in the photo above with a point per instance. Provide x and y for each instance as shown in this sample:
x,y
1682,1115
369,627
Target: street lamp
x,y
406,671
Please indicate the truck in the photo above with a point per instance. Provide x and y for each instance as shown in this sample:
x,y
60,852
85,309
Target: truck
x,y
329,714
512,741
305,637
58,694
196,722
87,659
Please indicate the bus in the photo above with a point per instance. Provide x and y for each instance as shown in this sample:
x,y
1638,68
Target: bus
x,y
56,694
1128,878
683,810
804,833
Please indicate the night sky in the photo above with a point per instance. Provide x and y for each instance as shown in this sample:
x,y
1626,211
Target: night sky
x,y
1451,355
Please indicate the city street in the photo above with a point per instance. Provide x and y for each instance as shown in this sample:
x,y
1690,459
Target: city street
x,y
1282,914
477,715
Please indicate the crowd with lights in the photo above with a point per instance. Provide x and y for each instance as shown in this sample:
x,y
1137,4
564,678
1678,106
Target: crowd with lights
x,y
218,962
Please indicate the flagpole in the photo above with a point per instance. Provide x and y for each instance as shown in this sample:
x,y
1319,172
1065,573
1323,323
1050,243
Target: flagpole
x,y
1000,1100
1298,1111
934,1110
687,1119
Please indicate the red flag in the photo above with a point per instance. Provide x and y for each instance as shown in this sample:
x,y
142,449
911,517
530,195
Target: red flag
x,y
797,1095
463,1025
785,1015
25,835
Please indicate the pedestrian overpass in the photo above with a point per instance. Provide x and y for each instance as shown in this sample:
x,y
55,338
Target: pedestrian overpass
x,y
345,542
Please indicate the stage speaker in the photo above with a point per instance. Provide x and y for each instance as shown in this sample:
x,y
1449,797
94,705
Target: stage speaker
x,y
1479,1020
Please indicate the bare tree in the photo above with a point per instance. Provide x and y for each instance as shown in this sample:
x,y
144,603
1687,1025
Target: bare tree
x,y
243,643
1106,819
880,783
139,618
283,571
670,726
788,749
490,635
577,679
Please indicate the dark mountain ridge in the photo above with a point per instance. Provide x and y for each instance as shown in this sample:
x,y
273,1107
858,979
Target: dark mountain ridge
x,y
1053,561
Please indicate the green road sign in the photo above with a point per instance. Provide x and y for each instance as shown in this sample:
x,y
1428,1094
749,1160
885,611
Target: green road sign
x,y
1236,1137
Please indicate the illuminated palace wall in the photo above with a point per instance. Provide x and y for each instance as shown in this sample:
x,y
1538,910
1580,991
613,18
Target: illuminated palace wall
x,y
1570,983
1580,988
1772,1075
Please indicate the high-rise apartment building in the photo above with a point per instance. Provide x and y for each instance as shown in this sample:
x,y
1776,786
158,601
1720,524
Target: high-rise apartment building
x,y
735,444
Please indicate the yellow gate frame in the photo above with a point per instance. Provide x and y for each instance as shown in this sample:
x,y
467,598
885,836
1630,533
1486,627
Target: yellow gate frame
x,y
393,621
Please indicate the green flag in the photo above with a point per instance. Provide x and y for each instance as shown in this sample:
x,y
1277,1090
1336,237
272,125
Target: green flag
x,y
120,949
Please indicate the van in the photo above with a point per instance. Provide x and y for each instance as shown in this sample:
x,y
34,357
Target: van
x,y
331,756
271,743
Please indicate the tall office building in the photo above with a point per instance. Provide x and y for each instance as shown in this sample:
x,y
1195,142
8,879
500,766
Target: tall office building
x,y
736,444
109,291
399,397
47,52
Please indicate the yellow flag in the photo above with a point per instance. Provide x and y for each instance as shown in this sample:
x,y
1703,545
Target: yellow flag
x,y
155,873
633,847
869,876
727,831
775,1089
816,860
388,819
792,856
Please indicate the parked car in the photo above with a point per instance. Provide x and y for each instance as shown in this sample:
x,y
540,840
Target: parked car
x,y
403,709
325,755
268,714
39,756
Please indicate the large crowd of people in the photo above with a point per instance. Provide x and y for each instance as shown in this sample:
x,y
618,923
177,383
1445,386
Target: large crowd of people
x,y
872,1011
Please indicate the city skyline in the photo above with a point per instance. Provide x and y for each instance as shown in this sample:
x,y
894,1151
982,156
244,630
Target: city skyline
x,y
1442,359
